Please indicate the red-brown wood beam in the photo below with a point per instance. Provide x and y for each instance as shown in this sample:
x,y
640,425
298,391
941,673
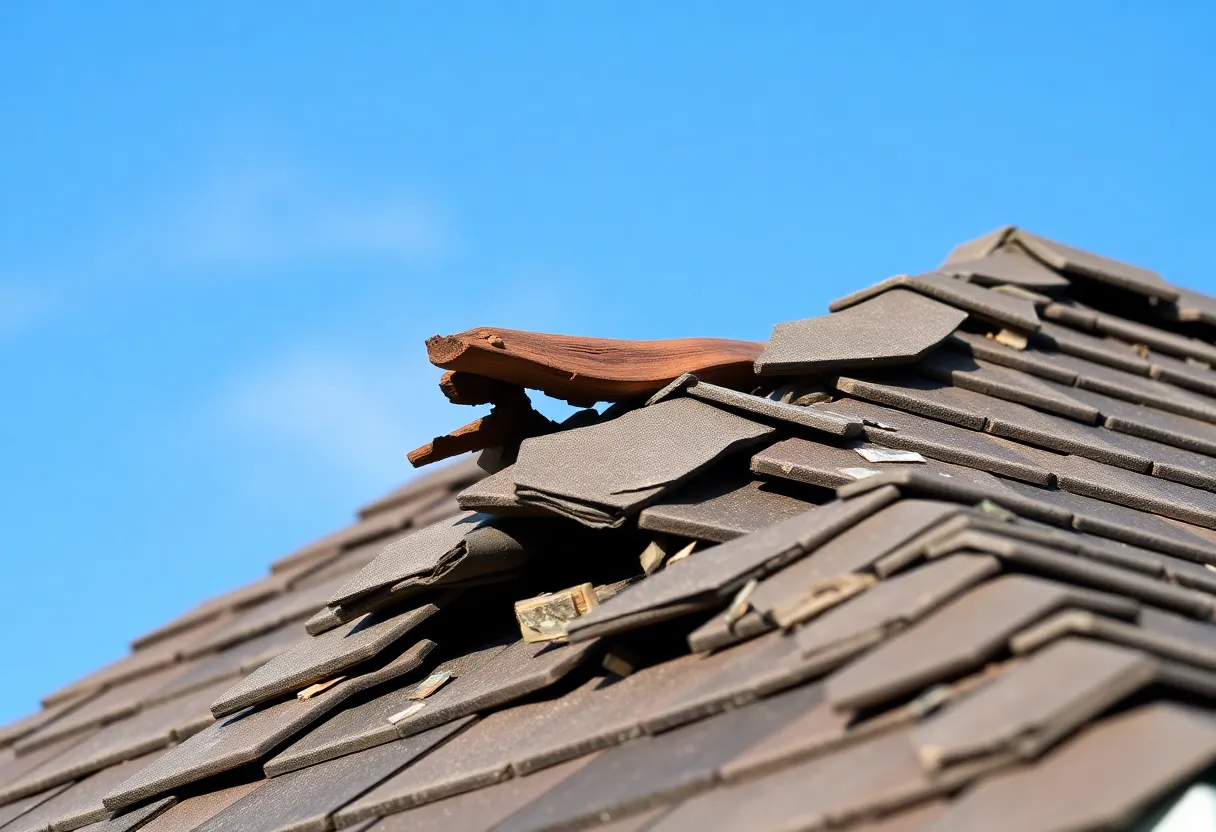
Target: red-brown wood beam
x,y
587,370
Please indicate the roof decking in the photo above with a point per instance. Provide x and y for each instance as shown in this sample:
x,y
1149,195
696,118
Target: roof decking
x,y
941,559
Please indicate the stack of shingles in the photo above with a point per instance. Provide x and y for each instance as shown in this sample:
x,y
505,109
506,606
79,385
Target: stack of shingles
x,y
58,764
1007,593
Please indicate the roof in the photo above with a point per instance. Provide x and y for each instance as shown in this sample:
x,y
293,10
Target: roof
x,y
941,559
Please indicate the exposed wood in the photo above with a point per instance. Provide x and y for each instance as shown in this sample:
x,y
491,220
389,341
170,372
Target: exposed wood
x,y
504,425
586,370
470,388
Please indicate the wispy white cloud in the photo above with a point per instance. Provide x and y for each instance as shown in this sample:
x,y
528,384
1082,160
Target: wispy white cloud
x,y
23,307
267,216
328,411
270,215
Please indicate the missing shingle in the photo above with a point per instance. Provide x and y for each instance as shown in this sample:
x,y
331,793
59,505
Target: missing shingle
x,y
858,473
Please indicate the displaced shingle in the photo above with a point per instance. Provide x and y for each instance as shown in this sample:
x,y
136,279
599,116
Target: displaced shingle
x,y
420,553
250,735
703,578
496,495
958,638
1126,524
628,462
1100,780
322,657
720,509
1075,261
800,460
758,406
984,303
1006,265
890,595
895,327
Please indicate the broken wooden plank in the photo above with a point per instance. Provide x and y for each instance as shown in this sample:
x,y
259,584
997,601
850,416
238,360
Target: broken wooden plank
x,y
587,370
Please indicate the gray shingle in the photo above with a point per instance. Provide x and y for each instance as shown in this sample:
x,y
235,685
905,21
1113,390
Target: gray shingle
x,y
894,327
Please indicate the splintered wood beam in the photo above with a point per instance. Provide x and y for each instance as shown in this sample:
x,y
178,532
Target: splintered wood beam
x,y
505,425
587,370
467,388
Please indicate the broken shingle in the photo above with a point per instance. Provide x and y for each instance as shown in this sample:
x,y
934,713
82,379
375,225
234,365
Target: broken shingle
x,y
420,553
706,576
628,462
760,406
1006,265
896,327
997,307
1075,261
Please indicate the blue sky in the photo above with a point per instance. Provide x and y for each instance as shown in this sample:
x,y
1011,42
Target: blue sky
x,y
226,229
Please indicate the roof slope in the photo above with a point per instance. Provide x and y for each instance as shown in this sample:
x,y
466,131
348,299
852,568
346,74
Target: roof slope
x,y
941,559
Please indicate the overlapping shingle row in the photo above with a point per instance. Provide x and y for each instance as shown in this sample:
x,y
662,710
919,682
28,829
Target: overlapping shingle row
x,y
941,559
